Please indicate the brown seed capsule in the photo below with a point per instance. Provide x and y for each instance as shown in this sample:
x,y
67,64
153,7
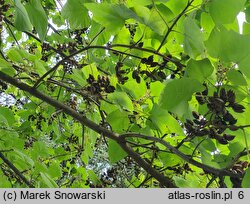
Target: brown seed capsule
x,y
228,137
196,115
223,94
162,74
233,127
200,99
154,64
150,59
231,97
110,89
222,140
140,44
229,118
238,108
135,74
138,79
144,60
245,164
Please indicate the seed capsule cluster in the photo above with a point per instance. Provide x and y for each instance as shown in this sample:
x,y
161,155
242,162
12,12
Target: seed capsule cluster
x,y
120,73
219,116
102,84
3,9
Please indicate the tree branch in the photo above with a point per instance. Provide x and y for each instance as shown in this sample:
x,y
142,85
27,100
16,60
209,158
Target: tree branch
x,y
78,52
206,168
173,24
17,172
88,123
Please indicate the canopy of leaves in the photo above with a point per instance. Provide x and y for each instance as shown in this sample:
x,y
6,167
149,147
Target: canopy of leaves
x,y
115,93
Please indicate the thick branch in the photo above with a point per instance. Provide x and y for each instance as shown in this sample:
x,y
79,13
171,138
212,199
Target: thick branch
x,y
88,123
17,172
206,168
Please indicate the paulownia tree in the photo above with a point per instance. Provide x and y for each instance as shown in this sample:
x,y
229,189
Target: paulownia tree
x,y
154,91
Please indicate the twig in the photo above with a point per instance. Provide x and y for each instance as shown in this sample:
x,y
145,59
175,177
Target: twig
x,y
173,24
75,53
17,172
206,168
93,39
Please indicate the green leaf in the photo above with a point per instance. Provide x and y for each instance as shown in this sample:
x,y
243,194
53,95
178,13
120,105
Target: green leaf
x,y
5,183
176,6
54,170
235,148
236,77
93,177
178,92
112,16
134,89
156,88
76,13
78,76
118,120
38,65
22,21
116,153
132,3
90,69
169,159
246,179
200,69
48,181
39,150
14,55
4,64
247,13
122,37
230,10
122,100
38,17
207,24
228,45
151,18
8,115
24,157
164,122
244,66
185,183
193,40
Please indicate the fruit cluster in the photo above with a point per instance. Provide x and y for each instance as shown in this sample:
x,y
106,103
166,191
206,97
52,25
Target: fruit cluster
x,y
38,118
120,73
219,116
102,84
70,47
3,9
78,35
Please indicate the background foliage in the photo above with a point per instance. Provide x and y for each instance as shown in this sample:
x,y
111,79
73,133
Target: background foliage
x,y
122,93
